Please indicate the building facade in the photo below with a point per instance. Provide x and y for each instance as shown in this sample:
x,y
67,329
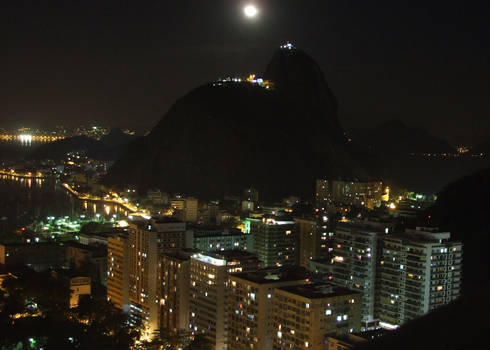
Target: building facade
x,y
208,292
275,240
367,194
322,193
354,262
418,271
304,315
118,271
148,241
314,239
174,299
186,208
214,238
251,304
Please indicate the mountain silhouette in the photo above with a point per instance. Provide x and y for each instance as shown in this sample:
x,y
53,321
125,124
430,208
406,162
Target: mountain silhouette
x,y
225,136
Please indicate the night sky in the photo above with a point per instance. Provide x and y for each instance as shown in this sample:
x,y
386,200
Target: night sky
x,y
123,63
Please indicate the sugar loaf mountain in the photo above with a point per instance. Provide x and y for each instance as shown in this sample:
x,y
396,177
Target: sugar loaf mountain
x,y
276,134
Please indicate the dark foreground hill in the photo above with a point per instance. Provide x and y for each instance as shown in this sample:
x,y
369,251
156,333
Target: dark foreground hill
x,y
223,137
460,325
461,208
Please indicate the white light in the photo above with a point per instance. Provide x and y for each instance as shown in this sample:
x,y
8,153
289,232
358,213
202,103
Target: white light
x,y
250,11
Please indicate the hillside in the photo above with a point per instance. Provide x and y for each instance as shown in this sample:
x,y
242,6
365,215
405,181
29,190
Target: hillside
x,y
223,137
396,138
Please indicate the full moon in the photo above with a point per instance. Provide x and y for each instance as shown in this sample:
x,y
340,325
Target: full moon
x,y
250,11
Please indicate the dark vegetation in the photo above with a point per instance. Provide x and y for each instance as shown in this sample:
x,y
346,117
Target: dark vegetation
x,y
35,314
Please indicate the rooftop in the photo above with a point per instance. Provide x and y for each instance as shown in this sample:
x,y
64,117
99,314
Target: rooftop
x,y
224,257
275,275
210,231
318,290
182,255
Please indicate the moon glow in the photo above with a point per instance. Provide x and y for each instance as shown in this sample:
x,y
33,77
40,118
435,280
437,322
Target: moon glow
x,y
250,11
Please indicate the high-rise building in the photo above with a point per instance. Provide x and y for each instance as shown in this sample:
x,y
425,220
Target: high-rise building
x,y
175,279
366,194
322,193
251,195
418,271
187,208
148,241
314,239
208,291
275,239
304,315
207,239
118,271
250,305
354,262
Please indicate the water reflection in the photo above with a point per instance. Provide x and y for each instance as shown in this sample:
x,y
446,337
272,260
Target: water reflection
x,y
24,201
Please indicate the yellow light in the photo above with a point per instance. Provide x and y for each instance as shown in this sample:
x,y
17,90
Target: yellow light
x,y
122,223
250,78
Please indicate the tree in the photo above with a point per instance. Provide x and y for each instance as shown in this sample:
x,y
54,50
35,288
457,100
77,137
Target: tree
x,y
95,323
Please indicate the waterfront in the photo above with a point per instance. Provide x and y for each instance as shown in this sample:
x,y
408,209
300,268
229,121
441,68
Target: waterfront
x,y
24,201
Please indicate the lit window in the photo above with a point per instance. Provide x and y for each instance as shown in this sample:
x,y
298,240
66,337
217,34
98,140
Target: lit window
x,y
328,312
